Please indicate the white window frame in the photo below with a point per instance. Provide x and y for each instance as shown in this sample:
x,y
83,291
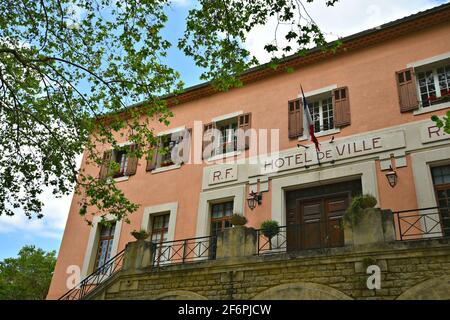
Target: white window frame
x,y
92,246
320,95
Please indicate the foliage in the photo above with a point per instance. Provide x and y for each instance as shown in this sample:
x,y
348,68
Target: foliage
x,y
140,235
355,210
270,228
216,30
74,73
28,276
443,123
238,219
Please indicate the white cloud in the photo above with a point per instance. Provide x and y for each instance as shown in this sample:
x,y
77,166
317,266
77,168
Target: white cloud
x,y
345,18
51,225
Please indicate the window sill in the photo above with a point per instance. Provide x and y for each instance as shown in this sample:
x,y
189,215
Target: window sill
x,y
436,107
120,179
224,155
164,169
321,134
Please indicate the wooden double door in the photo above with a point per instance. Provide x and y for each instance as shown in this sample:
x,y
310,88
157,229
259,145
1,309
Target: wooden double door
x,y
317,222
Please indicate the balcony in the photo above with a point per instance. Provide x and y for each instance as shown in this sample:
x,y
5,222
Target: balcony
x,y
379,229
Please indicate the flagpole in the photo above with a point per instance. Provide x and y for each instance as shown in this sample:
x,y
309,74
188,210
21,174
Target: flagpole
x,y
304,101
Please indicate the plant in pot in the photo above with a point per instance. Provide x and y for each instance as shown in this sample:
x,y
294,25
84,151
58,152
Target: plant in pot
x,y
357,206
238,219
140,235
270,228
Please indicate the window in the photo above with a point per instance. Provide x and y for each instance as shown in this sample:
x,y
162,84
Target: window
x,y
434,84
221,216
228,138
322,113
121,158
162,157
160,228
441,181
105,245
126,164
167,144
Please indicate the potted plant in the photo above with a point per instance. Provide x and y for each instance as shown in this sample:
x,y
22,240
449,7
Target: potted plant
x,y
238,219
140,235
357,206
270,228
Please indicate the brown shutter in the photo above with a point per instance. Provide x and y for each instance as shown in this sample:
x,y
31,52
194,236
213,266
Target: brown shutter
x,y
104,170
341,107
295,121
132,162
207,134
245,123
407,93
151,163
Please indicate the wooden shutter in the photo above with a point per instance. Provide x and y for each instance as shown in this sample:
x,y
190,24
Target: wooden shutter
x,y
245,123
295,122
132,162
406,86
104,170
341,107
151,163
207,135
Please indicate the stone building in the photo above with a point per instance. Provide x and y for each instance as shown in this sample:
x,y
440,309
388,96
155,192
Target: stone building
x,y
371,104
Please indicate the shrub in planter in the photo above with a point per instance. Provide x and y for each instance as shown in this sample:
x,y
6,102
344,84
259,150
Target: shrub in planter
x,y
238,220
355,210
270,228
140,235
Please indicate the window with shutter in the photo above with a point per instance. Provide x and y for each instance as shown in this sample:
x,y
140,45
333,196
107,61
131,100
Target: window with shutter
x,y
433,83
295,123
341,107
244,123
406,87
104,170
132,162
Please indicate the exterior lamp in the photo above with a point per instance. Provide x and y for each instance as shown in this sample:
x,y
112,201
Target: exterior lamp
x,y
254,199
392,177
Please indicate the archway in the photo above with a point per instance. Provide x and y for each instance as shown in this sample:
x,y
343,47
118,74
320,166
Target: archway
x,y
432,289
301,291
179,295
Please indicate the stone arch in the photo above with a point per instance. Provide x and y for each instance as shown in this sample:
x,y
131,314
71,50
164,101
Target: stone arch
x,y
179,295
301,291
431,289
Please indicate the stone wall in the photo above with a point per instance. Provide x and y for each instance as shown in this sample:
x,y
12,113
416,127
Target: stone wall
x,y
412,270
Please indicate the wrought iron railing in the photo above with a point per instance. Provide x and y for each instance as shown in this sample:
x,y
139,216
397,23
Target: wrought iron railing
x,y
415,224
88,284
297,237
184,251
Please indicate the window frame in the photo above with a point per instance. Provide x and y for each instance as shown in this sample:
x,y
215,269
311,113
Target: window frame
x,y
110,242
433,68
320,100
223,219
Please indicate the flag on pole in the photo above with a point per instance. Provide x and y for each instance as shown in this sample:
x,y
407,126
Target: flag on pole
x,y
308,121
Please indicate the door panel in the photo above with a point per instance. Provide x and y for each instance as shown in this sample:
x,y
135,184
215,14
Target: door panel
x,y
310,224
334,210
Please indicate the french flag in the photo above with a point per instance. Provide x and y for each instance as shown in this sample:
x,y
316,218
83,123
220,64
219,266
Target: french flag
x,y
308,121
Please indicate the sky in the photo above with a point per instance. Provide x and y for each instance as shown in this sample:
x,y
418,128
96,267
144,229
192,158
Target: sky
x,y
345,18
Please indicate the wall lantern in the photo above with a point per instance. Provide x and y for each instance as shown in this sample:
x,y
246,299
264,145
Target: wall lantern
x,y
253,199
392,177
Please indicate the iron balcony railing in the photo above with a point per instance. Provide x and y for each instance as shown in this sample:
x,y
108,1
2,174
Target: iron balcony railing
x,y
415,224
184,251
296,237
88,284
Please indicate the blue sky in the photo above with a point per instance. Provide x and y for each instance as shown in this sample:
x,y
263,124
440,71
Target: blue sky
x,y
347,17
